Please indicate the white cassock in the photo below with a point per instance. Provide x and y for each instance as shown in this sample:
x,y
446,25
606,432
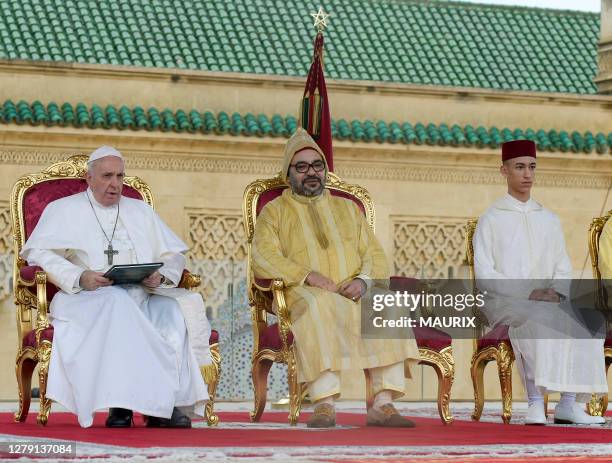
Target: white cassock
x,y
523,244
119,346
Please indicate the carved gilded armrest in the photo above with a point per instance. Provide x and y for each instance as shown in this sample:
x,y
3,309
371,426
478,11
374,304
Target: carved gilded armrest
x,y
282,311
30,276
42,319
189,280
27,275
277,288
263,284
263,299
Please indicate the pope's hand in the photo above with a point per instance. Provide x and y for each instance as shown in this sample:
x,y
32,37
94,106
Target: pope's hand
x,y
353,289
321,281
153,280
91,280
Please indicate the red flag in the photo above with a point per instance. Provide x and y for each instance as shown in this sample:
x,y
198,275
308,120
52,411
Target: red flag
x,y
314,114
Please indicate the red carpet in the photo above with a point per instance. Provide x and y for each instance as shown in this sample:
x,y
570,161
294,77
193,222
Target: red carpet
x,y
429,432
584,459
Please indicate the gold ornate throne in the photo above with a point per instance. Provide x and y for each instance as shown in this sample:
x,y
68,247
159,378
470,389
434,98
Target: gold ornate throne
x,y
490,345
599,406
33,293
274,342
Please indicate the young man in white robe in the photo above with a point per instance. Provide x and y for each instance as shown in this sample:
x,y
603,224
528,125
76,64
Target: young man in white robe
x,y
131,347
520,241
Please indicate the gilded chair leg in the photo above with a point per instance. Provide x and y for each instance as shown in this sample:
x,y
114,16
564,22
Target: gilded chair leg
x,y
597,405
445,383
604,398
295,390
444,365
211,417
24,370
445,369
505,358
44,355
369,391
259,374
477,373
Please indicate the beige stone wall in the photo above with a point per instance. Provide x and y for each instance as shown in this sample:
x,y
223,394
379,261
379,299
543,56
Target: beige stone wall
x,y
604,53
416,189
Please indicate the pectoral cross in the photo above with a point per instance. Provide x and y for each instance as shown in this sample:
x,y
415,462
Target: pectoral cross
x,y
110,252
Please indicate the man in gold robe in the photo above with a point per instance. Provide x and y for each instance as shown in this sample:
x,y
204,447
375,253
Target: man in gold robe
x,y
327,255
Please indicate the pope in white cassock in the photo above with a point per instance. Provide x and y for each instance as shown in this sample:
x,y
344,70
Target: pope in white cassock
x,y
132,347
520,241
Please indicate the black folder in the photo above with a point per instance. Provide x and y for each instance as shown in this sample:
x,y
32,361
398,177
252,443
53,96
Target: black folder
x,y
131,273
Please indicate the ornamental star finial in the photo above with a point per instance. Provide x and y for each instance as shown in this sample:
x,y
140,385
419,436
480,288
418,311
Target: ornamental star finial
x,y
320,19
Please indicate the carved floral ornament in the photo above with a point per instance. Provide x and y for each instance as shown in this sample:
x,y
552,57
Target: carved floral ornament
x,y
427,246
217,253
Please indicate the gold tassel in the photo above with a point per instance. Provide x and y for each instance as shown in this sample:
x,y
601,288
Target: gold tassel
x,y
319,229
209,373
312,101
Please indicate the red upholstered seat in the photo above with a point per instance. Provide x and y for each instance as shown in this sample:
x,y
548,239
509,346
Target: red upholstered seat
x,y
608,342
269,195
494,337
432,338
429,338
270,339
28,273
29,339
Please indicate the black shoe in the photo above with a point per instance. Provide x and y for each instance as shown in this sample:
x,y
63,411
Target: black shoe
x,y
177,420
119,418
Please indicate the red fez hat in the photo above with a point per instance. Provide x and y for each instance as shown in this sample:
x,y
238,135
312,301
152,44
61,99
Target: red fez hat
x,y
517,148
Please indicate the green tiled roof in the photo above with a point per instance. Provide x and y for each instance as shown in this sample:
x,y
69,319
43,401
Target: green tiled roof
x,y
152,119
411,41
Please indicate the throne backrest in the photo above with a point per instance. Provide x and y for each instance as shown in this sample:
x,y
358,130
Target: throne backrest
x,y
595,229
33,192
260,192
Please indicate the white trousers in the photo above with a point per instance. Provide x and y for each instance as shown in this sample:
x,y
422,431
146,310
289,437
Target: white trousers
x,y
388,377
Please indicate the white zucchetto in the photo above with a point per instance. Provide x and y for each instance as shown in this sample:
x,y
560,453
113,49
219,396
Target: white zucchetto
x,y
102,152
